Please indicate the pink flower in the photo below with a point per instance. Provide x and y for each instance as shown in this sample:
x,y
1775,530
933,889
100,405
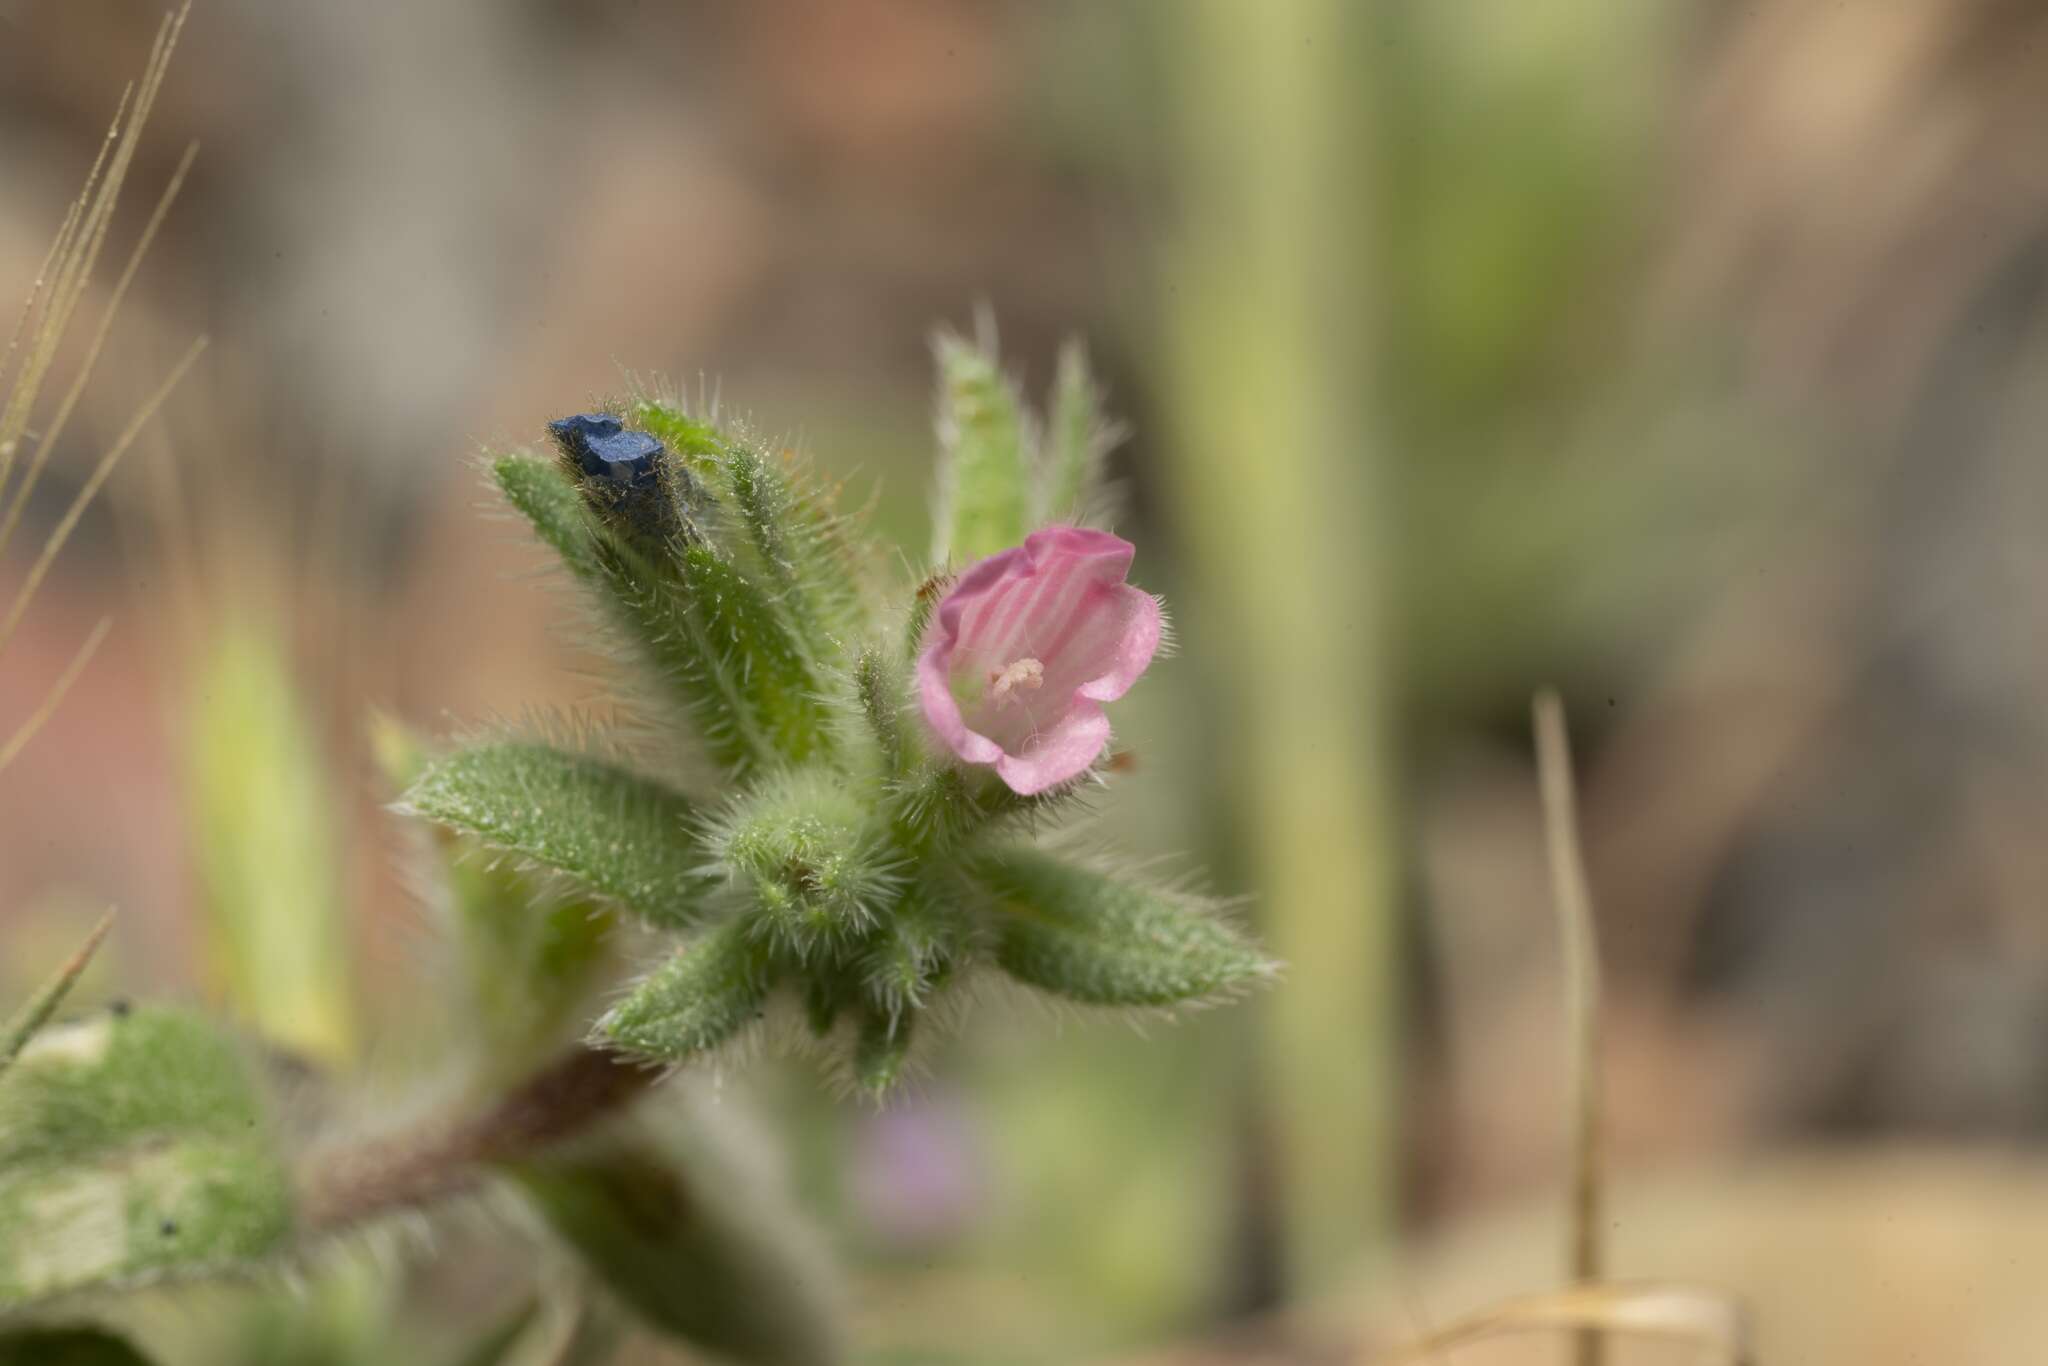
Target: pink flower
x,y
1026,648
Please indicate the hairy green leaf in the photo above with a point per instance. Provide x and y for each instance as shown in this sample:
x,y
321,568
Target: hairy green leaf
x,y
649,609
527,955
118,1078
800,542
697,1000
691,1237
985,474
132,1145
651,612
753,660
1105,941
547,497
727,647
694,439
616,832
130,1215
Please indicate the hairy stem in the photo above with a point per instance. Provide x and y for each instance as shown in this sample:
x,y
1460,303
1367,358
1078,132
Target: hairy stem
x,y
451,1157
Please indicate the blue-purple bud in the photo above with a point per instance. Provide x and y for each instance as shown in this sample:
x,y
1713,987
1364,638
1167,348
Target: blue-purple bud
x,y
602,448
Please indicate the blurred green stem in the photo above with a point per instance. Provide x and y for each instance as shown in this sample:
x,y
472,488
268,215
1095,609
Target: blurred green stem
x,y
264,822
1266,309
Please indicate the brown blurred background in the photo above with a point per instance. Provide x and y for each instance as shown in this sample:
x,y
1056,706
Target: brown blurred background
x,y
1684,354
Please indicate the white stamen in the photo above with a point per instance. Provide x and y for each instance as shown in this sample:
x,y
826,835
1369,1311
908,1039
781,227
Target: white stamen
x,y
1026,673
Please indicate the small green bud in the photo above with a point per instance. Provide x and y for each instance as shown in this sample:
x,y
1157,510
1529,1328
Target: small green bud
x,y
912,952
803,844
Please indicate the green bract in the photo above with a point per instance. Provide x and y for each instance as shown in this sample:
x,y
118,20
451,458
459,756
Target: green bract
x,y
833,857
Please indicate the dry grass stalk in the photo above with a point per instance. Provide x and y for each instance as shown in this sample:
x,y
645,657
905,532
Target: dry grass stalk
x,y
1580,940
39,331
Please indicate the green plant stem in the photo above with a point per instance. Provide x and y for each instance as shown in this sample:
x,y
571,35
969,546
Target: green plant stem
x,y
452,1157
1582,999
1269,331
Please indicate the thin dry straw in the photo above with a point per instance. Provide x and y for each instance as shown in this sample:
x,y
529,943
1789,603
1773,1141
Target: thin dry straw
x,y
44,320
26,731
74,272
15,1034
1671,1312
58,245
99,339
50,329
1590,1310
83,237
1581,944
62,531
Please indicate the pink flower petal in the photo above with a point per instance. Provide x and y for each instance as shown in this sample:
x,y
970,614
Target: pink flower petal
x,y
1026,647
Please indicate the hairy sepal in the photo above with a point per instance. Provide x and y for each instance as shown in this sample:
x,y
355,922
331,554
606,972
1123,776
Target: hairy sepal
x,y
782,522
700,998
986,476
1110,941
1079,438
718,641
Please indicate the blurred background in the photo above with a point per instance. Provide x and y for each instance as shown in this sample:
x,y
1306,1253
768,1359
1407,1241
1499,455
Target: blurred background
x,y
1683,354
